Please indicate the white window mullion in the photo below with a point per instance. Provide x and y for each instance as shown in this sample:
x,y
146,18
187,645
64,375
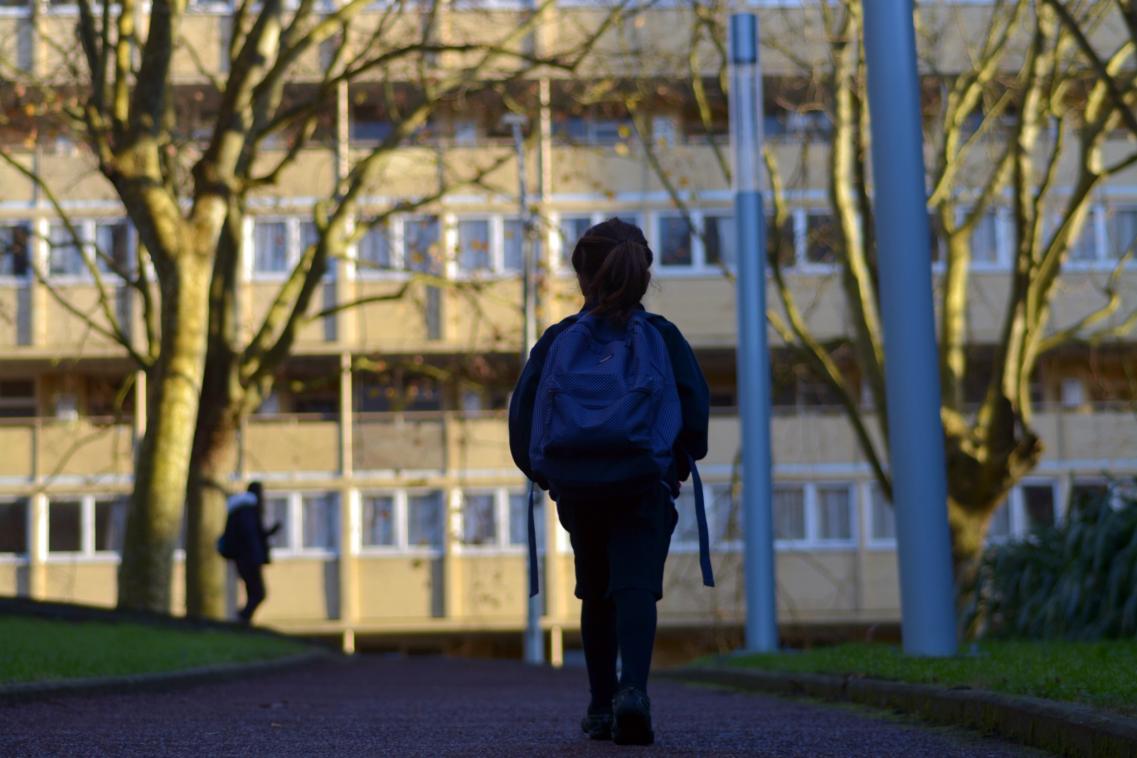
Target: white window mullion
x,y
400,517
1017,515
1004,239
351,252
497,243
248,251
801,234
295,522
1100,228
453,518
397,242
353,510
87,525
810,501
448,238
698,250
292,243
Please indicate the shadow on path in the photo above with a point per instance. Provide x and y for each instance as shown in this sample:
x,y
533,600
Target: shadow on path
x,y
437,706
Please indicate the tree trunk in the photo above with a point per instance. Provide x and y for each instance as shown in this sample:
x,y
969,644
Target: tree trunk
x,y
213,445
162,462
968,532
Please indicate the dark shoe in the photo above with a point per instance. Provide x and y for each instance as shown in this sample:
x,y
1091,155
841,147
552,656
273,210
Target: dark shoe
x,y
598,726
631,714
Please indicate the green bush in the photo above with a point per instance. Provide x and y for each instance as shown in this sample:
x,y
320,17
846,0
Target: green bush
x,y
1075,580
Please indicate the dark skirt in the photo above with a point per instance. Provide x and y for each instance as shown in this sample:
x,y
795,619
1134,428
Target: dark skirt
x,y
619,543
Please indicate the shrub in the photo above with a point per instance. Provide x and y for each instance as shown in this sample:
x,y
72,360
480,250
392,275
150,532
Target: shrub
x,y
1074,580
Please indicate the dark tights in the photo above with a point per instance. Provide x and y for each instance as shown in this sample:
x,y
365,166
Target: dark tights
x,y
624,622
254,588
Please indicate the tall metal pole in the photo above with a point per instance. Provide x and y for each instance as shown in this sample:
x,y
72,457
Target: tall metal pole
x,y
753,355
534,638
916,437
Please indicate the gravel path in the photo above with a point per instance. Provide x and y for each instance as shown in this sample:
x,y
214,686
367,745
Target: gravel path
x,y
436,706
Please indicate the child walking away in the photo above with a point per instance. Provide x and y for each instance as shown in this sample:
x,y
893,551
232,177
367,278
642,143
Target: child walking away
x,y
609,415
245,542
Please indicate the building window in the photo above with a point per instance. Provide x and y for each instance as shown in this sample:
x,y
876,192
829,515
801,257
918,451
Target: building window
x,y
675,241
14,526
17,398
718,240
375,252
513,245
378,519
822,239
519,519
1028,506
1121,232
572,228
110,524
999,527
14,244
112,251
474,252
270,247
425,514
1038,502
65,526
422,252
479,519
277,511
985,240
320,525
65,255
1084,249
882,516
789,513
813,514
686,528
834,514
725,515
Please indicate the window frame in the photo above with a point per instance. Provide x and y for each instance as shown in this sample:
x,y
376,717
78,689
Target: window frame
x,y
293,547
86,228
393,225
431,551
812,541
688,546
87,552
29,251
502,544
29,514
1016,503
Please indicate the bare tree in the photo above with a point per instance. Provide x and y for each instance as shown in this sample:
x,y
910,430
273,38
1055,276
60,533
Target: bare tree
x,y
188,192
1022,122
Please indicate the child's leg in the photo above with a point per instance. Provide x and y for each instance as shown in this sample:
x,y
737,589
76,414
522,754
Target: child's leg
x,y
635,630
598,633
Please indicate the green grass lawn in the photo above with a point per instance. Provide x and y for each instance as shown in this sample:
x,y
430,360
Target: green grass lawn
x,y
36,649
1095,673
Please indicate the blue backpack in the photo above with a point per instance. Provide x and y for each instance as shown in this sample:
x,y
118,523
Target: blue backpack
x,y
606,418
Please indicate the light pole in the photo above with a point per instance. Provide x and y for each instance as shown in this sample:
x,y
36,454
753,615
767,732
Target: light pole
x,y
753,354
534,639
915,432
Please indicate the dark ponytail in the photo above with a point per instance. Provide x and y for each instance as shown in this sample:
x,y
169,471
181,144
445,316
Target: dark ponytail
x,y
612,262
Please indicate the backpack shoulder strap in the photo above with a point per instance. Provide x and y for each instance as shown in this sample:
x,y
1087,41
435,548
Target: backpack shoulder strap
x,y
533,587
701,520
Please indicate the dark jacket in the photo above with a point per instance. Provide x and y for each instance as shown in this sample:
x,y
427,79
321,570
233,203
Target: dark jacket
x,y
246,537
694,397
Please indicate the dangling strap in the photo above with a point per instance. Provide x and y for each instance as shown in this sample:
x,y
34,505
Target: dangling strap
x,y
704,533
533,589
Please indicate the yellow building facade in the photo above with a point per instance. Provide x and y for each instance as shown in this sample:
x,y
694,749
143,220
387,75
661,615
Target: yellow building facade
x,y
384,448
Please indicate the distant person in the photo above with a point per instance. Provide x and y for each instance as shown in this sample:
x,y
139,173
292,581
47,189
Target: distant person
x,y
245,542
609,415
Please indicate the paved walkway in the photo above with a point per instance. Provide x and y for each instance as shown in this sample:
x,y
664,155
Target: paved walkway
x,y
436,706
